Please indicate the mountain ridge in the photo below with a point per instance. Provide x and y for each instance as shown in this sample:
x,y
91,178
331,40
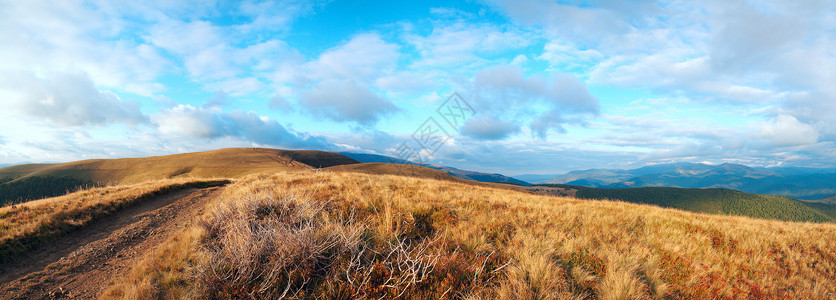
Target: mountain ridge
x,y
464,174
801,183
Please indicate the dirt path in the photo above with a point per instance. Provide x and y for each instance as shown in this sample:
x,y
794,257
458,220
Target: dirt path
x,y
82,263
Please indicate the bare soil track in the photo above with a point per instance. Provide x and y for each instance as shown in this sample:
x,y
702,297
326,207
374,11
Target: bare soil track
x,y
82,263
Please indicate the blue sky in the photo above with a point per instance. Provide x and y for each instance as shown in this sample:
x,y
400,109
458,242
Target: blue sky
x,y
553,85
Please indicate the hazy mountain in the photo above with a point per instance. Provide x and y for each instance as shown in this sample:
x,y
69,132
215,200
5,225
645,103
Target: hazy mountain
x,y
802,183
465,174
535,177
800,170
601,177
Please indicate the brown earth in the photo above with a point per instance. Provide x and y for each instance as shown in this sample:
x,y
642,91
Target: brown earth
x,y
82,263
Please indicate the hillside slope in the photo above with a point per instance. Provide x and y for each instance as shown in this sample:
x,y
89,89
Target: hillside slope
x,y
711,201
464,174
380,236
417,172
395,169
223,163
122,223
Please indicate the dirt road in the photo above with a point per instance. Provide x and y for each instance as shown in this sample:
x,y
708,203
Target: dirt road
x,y
82,263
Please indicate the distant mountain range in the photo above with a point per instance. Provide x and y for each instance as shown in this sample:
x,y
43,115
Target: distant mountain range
x,y
477,176
701,200
800,183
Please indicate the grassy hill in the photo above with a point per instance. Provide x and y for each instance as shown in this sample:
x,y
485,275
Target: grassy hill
x,y
223,163
35,181
464,174
395,169
826,208
711,201
30,188
35,223
349,235
418,172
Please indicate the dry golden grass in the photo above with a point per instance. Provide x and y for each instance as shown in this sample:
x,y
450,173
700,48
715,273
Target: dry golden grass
x,y
396,169
222,163
415,171
164,273
25,225
555,247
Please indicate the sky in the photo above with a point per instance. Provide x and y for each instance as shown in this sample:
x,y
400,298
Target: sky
x,y
539,87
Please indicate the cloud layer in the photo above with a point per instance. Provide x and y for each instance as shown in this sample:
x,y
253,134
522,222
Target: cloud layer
x,y
68,99
563,84
212,123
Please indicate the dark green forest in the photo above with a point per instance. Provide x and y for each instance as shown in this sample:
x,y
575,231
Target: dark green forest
x,y
713,201
31,188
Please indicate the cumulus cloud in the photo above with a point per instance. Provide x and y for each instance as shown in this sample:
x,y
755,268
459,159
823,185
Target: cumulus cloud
x,y
68,99
337,85
465,44
218,100
213,123
786,130
489,128
550,101
346,101
280,103
211,53
586,24
42,37
750,37
363,58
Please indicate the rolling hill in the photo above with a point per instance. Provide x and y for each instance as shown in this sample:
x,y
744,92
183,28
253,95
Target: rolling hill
x,y
378,236
711,201
535,178
355,231
34,181
230,163
396,169
417,172
464,174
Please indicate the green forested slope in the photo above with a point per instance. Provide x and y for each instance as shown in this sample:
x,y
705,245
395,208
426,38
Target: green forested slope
x,y
713,201
31,188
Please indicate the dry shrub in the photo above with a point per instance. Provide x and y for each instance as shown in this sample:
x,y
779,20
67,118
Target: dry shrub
x,y
164,273
274,248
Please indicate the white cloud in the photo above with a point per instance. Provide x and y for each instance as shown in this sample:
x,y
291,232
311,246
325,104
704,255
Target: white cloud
x,y
489,128
213,123
280,103
363,58
465,45
44,37
565,56
212,54
346,101
547,102
337,85
786,130
274,15
583,24
68,99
